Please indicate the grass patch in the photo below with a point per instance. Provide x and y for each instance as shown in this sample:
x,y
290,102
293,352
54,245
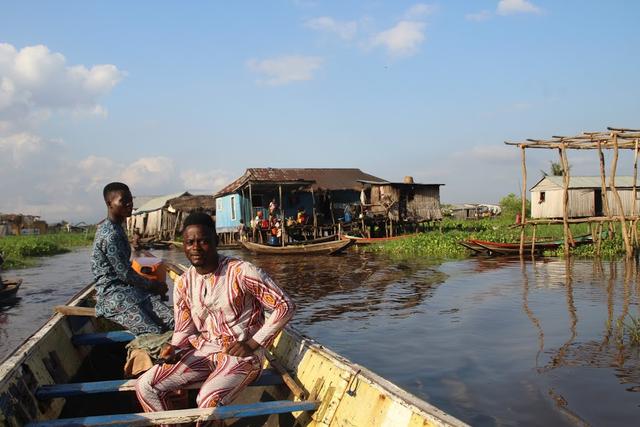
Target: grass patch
x,y
443,242
20,251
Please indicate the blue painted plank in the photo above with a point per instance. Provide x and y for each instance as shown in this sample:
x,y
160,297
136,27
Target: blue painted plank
x,y
102,338
184,415
268,377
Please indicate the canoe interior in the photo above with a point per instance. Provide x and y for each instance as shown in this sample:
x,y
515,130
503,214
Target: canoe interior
x,y
350,395
324,248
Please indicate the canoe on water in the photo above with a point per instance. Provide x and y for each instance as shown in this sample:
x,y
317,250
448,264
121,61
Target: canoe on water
x,y
9,289
69,372
498,248
324,248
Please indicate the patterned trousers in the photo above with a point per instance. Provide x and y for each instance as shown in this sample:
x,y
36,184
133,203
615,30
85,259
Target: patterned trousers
x,y
224,377
151,316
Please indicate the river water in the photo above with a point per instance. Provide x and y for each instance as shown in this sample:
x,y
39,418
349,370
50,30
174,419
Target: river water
x,y
490,341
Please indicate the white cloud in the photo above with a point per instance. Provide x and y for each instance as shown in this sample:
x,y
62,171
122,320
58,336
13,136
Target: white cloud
x,y
419,10
483,15
346,30
285,69
403,39
149,173
35,82
210,181
510,7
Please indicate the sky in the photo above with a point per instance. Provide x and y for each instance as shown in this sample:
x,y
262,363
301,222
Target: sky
x,y
171,96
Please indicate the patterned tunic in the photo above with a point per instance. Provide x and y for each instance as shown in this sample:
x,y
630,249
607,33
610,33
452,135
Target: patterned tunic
x,y
214,310
115,279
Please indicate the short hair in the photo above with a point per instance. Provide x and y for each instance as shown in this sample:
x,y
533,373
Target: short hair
x,y
200,218
112,187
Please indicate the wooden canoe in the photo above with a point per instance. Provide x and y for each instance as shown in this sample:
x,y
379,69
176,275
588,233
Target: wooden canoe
x,y
46,379
9,289
325,248
361,241
498,248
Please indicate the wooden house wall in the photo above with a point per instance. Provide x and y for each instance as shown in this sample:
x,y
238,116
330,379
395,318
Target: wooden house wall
x,y
581,203
424,206
228,213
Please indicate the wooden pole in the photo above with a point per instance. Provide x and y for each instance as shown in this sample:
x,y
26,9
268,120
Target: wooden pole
x,y
315,216
616,195
565,198
533,240
523,214
633,229
605,199
282,225
250,203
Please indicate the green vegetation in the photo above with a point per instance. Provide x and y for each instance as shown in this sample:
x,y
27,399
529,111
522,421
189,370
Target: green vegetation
x,y
19,251
443,242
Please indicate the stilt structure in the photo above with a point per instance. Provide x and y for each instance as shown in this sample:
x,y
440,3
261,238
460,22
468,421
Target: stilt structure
x,y
614,139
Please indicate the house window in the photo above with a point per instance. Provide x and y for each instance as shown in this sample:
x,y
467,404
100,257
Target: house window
x,y
542,197
219,205
233,208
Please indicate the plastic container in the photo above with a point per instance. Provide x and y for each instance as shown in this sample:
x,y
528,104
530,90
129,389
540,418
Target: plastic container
x,y
273,241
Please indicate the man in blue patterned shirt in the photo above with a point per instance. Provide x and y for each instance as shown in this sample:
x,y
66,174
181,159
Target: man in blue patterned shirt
x,y
122,295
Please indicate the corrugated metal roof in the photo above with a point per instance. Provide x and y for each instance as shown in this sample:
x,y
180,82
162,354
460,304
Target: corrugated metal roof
x,y
325,179
158,203
192,203
588,182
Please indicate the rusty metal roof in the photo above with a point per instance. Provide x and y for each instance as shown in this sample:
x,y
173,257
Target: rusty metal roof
x,y
323,179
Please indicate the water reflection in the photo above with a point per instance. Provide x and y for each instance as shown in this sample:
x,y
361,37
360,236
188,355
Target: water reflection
x,y
493,341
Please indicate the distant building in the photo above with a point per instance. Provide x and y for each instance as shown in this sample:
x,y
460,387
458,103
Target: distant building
x,y
585,197
406,202
474,211
150,219
19,224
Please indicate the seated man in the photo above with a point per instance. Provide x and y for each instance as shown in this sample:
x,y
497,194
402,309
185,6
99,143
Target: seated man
x,y
122,295
220,329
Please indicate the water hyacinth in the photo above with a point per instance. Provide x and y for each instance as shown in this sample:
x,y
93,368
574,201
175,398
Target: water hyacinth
x,y
19,251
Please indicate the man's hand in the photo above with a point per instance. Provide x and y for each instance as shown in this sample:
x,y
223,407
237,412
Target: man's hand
x,y
170,354
242,349
159,288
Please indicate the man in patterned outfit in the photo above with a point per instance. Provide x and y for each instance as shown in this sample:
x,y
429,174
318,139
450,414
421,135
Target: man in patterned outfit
x,y
220,329
122,295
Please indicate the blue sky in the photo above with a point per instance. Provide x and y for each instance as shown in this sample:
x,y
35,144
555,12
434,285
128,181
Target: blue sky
x,y
186,95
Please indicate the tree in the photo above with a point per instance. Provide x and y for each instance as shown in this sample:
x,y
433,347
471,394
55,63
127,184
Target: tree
x,y
555,169
511,205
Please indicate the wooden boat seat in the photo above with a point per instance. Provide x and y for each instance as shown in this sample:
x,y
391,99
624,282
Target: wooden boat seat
x,y
184,416
102,338
267,377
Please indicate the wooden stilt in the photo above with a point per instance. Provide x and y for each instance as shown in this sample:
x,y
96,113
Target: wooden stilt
x,y
533,240
565,198
523,213
616,195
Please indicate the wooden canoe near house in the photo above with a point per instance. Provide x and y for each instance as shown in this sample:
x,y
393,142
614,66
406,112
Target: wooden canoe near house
x,y
324,248
498,248
305,384
9,289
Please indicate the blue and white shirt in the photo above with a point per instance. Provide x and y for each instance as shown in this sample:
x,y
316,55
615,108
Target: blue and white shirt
x,y
115,280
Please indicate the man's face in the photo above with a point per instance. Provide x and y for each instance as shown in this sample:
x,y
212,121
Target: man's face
x,y
120,203
199,246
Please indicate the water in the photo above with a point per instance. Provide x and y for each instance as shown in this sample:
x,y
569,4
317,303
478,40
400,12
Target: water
x,y
490,341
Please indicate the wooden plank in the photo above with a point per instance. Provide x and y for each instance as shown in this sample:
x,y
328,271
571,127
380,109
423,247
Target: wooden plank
x,y
69,310
184,416
102,338
268,377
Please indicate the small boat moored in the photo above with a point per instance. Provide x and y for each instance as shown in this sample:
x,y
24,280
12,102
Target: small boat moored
x,y
8,290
